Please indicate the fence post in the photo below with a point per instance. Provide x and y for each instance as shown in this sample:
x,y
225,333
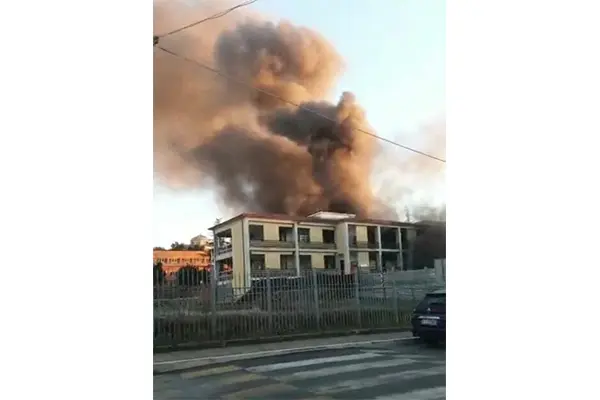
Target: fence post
x,y
357,296
214,283
395,299
269,301
383,284
316,299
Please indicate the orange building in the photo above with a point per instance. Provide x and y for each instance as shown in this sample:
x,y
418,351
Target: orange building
x,y
173,260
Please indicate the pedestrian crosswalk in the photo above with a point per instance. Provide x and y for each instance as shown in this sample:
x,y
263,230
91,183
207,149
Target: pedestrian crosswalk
x,y
360,374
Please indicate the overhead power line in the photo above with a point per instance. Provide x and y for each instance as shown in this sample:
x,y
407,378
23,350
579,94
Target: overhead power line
x,y
240,82
215,16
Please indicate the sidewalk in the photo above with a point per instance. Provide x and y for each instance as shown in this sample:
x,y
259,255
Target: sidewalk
x,y
170,362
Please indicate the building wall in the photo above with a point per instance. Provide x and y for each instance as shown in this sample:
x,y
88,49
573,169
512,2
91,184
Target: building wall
x,y
241,251
200,241
271,231
173,260
361,233
318,261
237,252
316,233
363,258
271,228
360,257
341,240
272,260
411,235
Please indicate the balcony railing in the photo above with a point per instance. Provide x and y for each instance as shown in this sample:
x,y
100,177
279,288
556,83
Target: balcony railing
x,y
224,248
272,243
363,245
316,245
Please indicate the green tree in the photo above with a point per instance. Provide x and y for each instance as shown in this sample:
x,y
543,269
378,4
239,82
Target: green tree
x,y
191,276
178,246
159,274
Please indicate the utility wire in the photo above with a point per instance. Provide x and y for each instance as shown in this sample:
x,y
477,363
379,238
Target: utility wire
x,y
216,71
217,15
247,3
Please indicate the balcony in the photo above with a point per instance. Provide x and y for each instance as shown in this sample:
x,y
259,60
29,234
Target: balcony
x,y
224,248
316,245
285,244
363,245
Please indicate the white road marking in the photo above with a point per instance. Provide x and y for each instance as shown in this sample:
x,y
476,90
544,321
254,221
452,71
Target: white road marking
x,y
435,393
316,373
357,384
397,353
311,361
257,354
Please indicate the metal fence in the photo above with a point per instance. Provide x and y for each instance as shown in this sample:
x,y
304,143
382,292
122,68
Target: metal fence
x,y
277,303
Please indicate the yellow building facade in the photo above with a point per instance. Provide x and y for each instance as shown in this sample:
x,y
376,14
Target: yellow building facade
x,y
253,243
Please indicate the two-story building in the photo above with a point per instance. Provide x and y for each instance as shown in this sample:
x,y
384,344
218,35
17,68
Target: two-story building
x,y
252,242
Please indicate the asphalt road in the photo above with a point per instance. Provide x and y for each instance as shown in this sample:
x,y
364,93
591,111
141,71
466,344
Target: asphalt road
x,y
392,371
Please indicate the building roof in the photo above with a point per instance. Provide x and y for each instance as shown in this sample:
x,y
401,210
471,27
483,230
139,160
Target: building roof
x,y
200,237
180,253
317,219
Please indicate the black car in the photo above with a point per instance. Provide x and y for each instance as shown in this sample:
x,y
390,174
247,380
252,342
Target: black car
x,y
429,318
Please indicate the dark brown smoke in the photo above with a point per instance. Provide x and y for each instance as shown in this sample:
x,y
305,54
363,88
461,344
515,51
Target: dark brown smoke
x,y
259,153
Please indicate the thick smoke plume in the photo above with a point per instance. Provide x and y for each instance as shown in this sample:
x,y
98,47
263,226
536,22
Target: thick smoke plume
x,y
260,153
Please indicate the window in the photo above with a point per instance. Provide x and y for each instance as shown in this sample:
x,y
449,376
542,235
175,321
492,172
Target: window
x,y
328,236
404,238
257,261
286,234
286,261
389,238
371,234
305,262
256,232
407,260
352,234
304,235
329,261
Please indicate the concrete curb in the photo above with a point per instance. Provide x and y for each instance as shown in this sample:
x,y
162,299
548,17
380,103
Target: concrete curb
x,y
183,365
276,339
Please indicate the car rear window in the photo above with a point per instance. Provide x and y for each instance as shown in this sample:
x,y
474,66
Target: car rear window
x,y
432,299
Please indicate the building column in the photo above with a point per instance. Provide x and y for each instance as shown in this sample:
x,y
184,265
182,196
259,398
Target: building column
x,y
246,253
400,262
440,271
347,262
379,253
214,274
296,250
